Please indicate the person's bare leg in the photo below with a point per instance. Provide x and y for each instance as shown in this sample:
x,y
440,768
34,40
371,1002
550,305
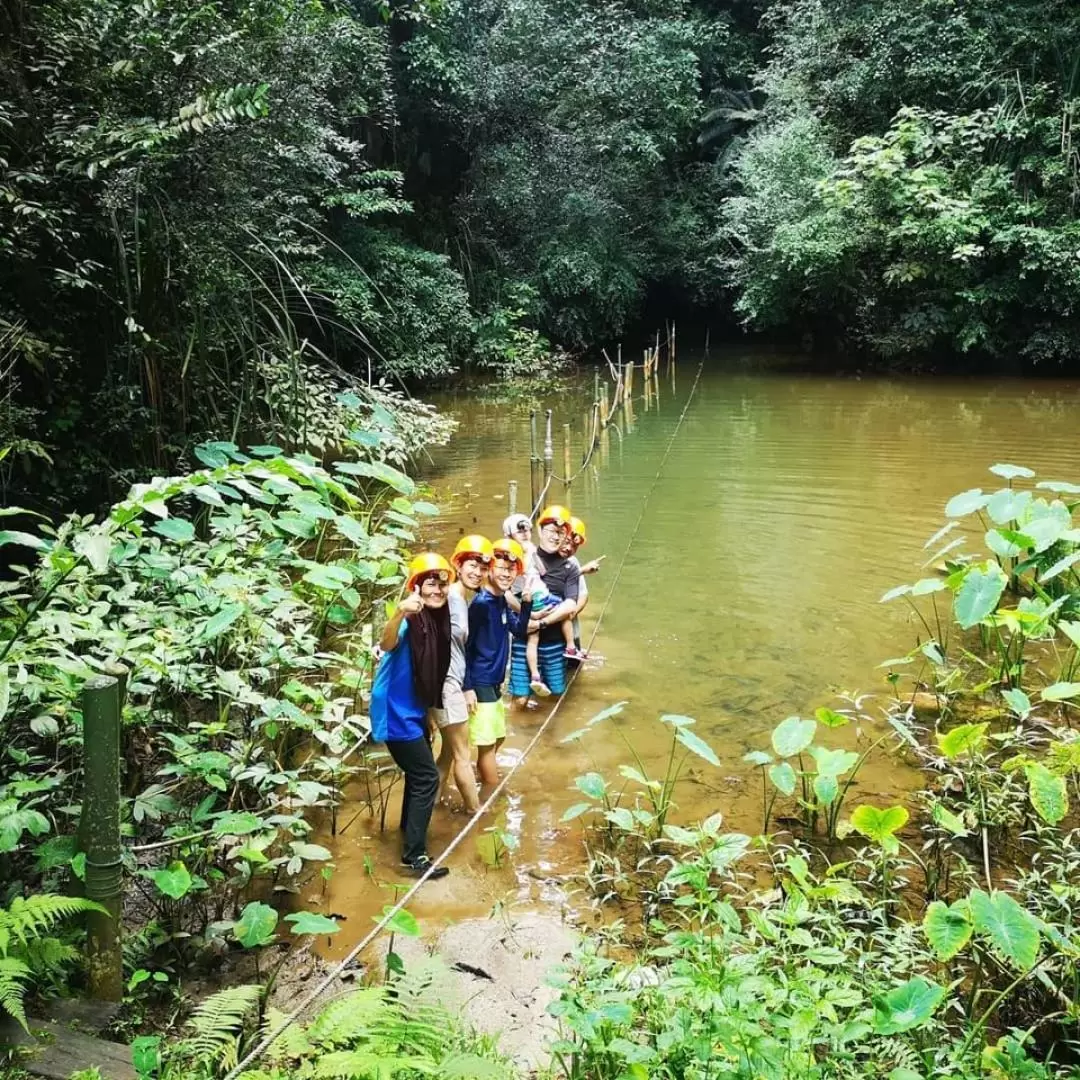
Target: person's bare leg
x,y
568,634
456,744
445,759
532,656
488,768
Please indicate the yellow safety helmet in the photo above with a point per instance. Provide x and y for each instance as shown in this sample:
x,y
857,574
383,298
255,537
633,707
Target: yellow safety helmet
x,y
577,531
430,562
475,546
558,514
511,551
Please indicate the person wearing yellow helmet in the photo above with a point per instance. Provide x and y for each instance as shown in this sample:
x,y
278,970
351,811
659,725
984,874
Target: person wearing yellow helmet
x,y
491,622
575,540
471,559
408,684
538,665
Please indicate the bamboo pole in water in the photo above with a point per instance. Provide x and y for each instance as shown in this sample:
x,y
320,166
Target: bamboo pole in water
x,y
533,458
549,449
603,404
511,498
566,459
672,342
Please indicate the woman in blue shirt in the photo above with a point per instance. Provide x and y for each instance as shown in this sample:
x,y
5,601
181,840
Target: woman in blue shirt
x,y
408,683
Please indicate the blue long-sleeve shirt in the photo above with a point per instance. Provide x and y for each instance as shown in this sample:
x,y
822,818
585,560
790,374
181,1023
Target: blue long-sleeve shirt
x,y
487,652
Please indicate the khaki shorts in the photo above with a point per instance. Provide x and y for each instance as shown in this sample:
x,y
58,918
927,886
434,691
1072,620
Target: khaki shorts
x,y
454,710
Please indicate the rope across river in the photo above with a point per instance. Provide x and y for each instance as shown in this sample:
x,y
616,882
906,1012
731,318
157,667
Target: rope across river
x,y
265,1043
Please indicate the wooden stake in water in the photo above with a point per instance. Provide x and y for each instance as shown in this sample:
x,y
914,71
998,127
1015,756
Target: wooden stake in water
x,y
549,449
511,498
603,405
566,460
101,832
534,458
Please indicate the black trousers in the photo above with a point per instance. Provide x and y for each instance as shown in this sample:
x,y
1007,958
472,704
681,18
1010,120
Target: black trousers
x,y
414,758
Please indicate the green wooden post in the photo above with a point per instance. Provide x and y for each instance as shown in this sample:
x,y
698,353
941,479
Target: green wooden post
x,y
100,830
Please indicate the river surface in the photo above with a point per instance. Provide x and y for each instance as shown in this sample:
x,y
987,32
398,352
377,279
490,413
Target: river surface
x,y
785,507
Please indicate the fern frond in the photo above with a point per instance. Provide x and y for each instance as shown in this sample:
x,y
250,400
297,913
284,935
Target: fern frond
x,y
217,1024
366,1065
348,1017
293,1042
13,973
32,916
471,1067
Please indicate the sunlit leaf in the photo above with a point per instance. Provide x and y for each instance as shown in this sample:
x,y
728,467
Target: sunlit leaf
x,y
967,502
401,922
947,928
830,718
880,825
697,746
1061,691
310,922
1048,793
907,1007
591,784
576,811
256,925
792,736
1018,701
1012,472
979,594
962,739
783,777
1011,931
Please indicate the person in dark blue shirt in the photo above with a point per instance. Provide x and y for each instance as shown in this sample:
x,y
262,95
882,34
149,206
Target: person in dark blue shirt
x,y
487,652
408,684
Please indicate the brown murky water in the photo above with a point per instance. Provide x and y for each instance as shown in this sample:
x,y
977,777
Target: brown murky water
x,y
788,504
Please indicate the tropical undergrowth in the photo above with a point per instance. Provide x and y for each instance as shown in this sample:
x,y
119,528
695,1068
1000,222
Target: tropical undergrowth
x,y
241,602
931,938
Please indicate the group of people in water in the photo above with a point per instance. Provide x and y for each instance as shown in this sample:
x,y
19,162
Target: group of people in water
x,y
511,604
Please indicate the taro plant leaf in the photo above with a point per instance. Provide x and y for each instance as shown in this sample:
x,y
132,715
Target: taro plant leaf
x,y
757,757
697,745
967,502
1061,691
175,881
907,1007
217,624
1071,630
1048,793
312,852
979,594
783,777
576,811
401,922
833,762
1018,701
830,718
591,784
1010,931
1006,505
311,922
1001,545
826,788
1012,472
941,815
880,825
894,592
256,925
1060,566
332,578
962,739
947,928
927,585
792,736
237,824
622,817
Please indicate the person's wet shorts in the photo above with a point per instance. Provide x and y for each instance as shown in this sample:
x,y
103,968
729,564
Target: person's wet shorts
x,y
454,710
487,725
551,662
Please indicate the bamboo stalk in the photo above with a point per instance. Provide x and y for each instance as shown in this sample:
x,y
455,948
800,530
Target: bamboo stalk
x,y
566,436
511,498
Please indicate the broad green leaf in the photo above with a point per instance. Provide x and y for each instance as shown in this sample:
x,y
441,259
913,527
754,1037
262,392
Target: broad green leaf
x,y
1060,566
1000,545
256,925
943,816
948,929
401,922
880,825
927,585
576,811
311,852
219,623
1010,930
95,547
967,502
333,578
378,470
697,746
783,777
826,788
962,739
591,784
907,1007
676,720
1011,472
1045,531
23,539
1007,505
833,762
893,593
1071,630
753,757
1048,793
622,817
638,776
175,881
1060,487
979,594
1018,701
310,922
792,736
237,824
1061,691
830,718
177,529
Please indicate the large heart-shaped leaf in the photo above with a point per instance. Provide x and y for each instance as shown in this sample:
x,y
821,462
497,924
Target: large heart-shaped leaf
x,y
1007,505
783,778
947,928
401,922
967,502
177,529
697,746
907,1007
978,594
793,735
962,739
833,762
880,825
310,922
1010,930
256,925
591,784
1061,691
1011,472
826,788
1048,793
175,881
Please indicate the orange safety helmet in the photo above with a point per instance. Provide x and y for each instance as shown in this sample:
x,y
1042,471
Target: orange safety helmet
x,y
511,551
558,514
577,531
427,563
475,546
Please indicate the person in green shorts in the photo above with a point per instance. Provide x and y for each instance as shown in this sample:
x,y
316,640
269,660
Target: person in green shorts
x,y
487,652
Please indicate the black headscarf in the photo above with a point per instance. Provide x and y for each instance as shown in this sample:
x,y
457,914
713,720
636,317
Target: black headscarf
x,y
429,640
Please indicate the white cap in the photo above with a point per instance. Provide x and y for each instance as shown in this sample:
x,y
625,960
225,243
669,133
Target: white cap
x,y
512,523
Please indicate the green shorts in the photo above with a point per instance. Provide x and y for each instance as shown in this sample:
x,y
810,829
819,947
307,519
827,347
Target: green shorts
x,y
487,725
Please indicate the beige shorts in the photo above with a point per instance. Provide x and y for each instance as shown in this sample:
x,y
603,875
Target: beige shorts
x,y
454,710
